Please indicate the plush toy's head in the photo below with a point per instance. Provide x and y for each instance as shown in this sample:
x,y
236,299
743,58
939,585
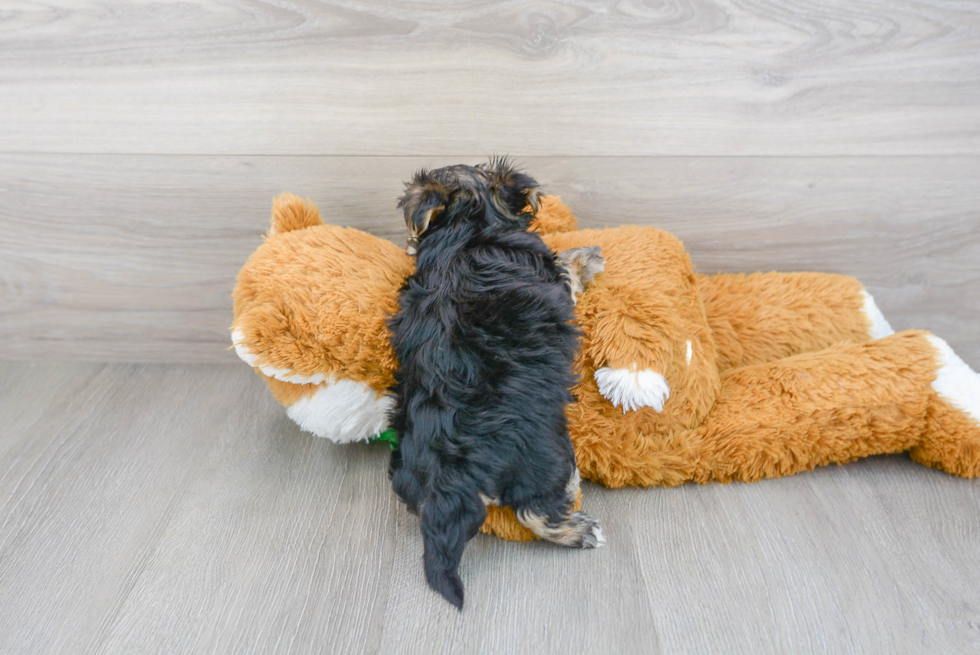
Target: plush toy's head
x,y
310,309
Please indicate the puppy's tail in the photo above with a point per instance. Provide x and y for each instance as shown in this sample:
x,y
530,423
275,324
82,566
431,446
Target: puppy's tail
x,y
450,518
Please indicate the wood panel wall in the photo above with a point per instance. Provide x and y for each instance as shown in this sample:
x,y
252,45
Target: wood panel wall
x,y
141,143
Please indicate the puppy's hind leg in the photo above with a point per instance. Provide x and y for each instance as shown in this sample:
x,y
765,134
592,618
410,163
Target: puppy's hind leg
x,y
405,483
559,524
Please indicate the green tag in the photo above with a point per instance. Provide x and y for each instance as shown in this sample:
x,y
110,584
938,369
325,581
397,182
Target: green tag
x,y
388,436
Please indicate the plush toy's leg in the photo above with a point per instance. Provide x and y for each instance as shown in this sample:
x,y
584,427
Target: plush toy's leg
x,y
952,438
764,317
903,392
646,335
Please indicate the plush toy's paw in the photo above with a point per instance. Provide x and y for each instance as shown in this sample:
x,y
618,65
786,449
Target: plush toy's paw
x,y
955,381
633,389
879,324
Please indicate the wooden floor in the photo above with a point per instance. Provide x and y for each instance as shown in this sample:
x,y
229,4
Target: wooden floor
x,y
153,496
175,509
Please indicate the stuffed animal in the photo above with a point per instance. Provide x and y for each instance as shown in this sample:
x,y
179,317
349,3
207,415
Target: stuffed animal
x,y
682,377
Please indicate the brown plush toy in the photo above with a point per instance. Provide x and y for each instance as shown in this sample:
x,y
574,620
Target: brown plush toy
x,y
683,377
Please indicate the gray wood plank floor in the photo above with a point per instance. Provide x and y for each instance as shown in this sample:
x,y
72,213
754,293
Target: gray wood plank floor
x,y
175,509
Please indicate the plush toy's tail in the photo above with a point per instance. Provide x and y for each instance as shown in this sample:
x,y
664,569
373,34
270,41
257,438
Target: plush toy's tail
x,y
292,213
450,518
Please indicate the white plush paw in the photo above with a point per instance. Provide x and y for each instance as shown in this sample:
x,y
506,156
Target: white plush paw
x,y
955,381
879,324
340,410
633,389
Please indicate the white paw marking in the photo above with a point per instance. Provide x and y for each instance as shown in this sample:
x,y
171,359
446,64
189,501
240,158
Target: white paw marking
x,y
955,381
879,324
600,539
633,389
342,411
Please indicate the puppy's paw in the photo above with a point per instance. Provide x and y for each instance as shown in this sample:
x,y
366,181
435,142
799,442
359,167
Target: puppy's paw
x,y
581,266
592,536
587,262
576,530
633,389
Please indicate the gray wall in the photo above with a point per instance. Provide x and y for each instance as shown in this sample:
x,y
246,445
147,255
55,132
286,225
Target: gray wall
x,y
142,144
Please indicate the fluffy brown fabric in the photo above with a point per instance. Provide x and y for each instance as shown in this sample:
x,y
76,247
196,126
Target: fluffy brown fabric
x,y
763,317
290,213
553,216
296,279
782,377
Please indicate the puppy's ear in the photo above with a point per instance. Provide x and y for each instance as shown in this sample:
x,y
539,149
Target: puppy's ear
x,y
424,200
512,191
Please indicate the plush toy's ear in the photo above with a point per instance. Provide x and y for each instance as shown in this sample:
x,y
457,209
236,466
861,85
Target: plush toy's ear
x,y
553,216
292,213
512,191
424,200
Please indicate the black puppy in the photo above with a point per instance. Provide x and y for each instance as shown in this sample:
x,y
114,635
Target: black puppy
x,y
485,345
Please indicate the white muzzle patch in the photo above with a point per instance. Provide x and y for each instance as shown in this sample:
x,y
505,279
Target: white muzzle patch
x,y
340,410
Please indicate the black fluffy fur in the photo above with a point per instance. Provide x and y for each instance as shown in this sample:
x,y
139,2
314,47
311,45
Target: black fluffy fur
x,y
485,345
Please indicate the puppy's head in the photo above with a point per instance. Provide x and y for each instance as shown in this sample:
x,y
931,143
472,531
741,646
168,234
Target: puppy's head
x,y
494,192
